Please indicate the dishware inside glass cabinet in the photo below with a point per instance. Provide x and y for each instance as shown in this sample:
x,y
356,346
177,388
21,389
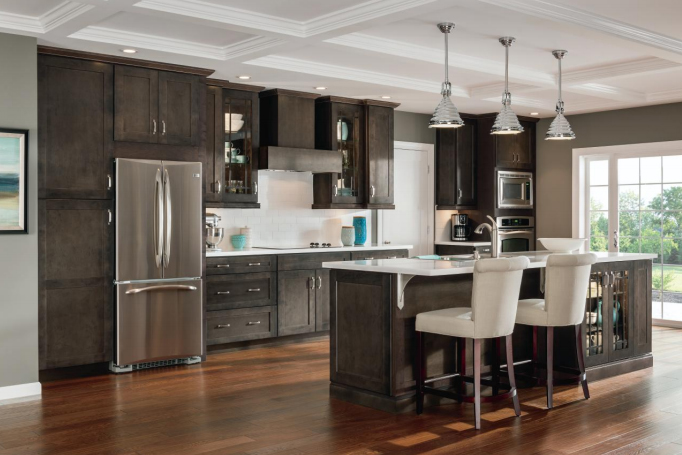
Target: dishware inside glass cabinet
x,y
238,146
347,128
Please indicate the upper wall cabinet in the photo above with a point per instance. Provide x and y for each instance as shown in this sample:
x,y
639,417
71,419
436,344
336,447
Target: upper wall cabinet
x,y
362,130
516,150
232,143
456,167
75,128
156,106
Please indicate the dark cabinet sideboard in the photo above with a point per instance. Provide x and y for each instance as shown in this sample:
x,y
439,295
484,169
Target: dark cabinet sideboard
x,y
456,169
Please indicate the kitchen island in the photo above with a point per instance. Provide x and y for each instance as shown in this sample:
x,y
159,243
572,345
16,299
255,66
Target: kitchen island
x,y
374,304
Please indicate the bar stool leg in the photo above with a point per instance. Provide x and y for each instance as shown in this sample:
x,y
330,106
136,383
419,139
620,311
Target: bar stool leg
x,y
512,378
581,358
477,382
421,372
462,365
496,366
550,366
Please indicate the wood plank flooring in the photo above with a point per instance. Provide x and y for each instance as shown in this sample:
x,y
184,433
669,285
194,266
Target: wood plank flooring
x,y
276,401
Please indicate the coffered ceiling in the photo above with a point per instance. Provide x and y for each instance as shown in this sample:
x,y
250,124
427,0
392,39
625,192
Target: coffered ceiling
x,y
622,53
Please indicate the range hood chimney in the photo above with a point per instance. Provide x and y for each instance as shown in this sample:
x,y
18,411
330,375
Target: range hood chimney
x,y
287,136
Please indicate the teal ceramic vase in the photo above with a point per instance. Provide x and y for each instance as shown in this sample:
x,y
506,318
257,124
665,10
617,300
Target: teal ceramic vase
x,y
360,225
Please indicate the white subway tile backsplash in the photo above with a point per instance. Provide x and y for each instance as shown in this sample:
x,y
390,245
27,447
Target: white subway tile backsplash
x,y
286,216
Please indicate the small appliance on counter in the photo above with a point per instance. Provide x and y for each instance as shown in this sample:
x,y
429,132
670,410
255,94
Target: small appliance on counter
x,y
460,227
214,234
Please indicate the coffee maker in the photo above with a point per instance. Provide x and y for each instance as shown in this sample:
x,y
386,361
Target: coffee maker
x,y
460,227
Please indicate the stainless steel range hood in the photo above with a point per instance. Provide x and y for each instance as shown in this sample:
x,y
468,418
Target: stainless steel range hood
x,y
291,159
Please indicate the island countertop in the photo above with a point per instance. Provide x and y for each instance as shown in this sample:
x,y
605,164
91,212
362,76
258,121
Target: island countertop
x,y
429,267
260,251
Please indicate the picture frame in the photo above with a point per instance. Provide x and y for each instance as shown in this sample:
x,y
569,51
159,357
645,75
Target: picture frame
x,y
13,181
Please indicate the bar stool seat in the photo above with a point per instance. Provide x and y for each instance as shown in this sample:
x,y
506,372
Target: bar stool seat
x,y
495,296
532,312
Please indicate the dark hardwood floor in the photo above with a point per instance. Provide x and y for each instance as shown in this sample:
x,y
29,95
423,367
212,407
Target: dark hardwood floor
x,y
275,401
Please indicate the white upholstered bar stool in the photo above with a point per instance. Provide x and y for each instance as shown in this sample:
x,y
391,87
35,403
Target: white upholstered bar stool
x,y
495,294
567,278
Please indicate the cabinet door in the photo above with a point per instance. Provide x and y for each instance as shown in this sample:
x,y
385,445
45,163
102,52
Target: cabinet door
x,y
379,156
322,289
621,310
296,302
75,282
466,165
446,167
136,105
241,145
215,156
642,324
75,128
178,108
525,158
596,325
515,150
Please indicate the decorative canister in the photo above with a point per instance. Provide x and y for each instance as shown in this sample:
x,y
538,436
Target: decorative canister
x,y
347,235
246,231
360,224
238,241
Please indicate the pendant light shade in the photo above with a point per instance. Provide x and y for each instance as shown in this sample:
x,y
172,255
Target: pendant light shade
x,y
506,122
559,129
446,114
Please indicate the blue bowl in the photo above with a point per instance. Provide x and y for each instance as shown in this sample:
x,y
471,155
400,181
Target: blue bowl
x,y
238,241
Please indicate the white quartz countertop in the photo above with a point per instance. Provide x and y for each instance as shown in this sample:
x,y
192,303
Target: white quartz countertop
x,y
464,243
255,251
428,267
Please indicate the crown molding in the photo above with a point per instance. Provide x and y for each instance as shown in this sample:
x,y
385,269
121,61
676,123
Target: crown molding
x,y
563,13
427,54
57,16
645,65
175,46
352,74
667,96
608,92
483,92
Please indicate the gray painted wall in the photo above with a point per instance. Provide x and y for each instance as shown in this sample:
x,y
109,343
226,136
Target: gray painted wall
x,y
411,127
19,253
554,158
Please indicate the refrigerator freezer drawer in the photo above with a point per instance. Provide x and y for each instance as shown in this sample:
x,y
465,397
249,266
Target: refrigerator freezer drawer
x,y
158,321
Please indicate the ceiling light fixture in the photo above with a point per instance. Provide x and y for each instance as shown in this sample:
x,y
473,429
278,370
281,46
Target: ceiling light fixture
x,y
129,51
506,122
320,88
385,97
534,113
559,129
244,77
446,114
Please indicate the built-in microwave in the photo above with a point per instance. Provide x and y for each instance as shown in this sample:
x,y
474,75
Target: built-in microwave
x,y
514,190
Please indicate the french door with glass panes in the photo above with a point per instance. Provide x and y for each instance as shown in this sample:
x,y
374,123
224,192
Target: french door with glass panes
x,y
633,203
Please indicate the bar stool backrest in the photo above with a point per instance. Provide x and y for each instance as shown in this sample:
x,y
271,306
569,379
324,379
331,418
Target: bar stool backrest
x,y
495,295
566,283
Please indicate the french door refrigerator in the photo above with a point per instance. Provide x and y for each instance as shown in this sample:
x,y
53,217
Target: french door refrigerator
x,y
158,264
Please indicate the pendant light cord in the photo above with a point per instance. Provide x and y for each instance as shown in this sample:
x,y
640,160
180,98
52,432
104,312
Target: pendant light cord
x,y
446,57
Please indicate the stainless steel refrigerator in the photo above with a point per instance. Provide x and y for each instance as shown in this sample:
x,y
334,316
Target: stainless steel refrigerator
x,y
158,263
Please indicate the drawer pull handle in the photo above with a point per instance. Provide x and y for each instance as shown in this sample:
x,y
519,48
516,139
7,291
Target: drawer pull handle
x,y
319,282
369,259
222,292
393,257
253,323
254,264
254,290
222,326
222,266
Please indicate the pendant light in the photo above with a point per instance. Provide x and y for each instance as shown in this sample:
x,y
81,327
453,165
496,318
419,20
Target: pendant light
x,y
559,129
446,114
506,121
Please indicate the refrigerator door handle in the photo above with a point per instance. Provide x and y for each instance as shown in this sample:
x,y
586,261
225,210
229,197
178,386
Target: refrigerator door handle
x,y
168,219
166,287
158,218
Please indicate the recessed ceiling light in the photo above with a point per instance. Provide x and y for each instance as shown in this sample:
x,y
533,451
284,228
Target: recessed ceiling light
x,y
534,113
385,97
320,88
244,77
129,51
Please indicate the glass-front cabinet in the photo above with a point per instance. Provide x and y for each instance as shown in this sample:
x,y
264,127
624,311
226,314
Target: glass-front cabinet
x,y
232,146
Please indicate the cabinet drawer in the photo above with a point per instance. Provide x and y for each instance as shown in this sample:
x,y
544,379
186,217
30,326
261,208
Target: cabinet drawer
x,y
309,261
226,292
241,325
385,254
240,264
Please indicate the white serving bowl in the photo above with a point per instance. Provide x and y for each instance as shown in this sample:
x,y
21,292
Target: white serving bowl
x,y
556,245
235,126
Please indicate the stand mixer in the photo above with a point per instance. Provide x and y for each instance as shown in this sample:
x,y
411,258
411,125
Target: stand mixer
x,y
214,234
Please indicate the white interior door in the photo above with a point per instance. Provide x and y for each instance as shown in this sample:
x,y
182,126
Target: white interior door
x,y
411,223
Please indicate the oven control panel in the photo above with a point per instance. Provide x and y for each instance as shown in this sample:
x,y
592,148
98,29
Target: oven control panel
x,y
515,221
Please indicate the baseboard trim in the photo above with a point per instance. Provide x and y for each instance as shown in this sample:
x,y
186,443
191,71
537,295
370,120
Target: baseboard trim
x,y
14,392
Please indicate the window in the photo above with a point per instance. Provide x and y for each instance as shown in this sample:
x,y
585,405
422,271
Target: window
x,y
633,203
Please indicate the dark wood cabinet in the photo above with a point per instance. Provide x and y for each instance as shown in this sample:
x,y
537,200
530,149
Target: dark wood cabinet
x,y
380,156
296,302
242,324
516,150
322,302
156,106
75,128
456,167
75,282
232,145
